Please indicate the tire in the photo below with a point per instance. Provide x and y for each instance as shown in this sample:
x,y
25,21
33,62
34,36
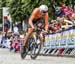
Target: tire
x,y
34,47
24,52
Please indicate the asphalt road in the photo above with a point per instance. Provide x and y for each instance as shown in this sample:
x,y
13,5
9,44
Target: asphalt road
x,y
7,57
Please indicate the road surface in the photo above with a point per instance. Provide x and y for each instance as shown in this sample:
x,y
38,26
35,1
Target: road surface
x,y
7,57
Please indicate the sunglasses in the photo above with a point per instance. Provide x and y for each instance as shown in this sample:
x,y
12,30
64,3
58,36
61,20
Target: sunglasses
x,y
44,11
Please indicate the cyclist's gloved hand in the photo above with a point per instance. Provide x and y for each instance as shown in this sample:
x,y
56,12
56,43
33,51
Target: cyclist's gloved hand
x,y
45,32
39,28
32,27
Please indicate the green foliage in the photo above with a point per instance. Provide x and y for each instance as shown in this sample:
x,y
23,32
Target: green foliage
x,y
0,11
3,3
64,0
22,9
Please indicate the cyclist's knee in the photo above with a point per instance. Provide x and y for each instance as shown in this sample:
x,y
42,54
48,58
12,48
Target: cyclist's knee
x,y
30,30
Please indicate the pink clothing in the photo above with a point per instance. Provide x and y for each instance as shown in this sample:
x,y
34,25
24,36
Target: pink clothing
x,y
74,10
66,10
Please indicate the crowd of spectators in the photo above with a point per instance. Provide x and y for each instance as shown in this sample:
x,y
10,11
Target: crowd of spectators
x,y
65,18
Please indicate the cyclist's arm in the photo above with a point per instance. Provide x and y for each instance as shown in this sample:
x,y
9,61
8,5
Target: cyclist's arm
x,y
31,21
46,21
32,17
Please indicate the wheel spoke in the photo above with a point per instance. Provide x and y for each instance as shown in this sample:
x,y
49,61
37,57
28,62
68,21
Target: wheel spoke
x,y
35,48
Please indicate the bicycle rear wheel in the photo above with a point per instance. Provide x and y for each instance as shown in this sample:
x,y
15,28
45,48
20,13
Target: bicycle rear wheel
x,y
35,49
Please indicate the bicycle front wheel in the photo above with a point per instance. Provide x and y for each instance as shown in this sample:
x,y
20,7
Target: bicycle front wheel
x,y
24,51
35,49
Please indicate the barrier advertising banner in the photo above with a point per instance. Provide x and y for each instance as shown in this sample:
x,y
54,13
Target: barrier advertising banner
x,y
63,39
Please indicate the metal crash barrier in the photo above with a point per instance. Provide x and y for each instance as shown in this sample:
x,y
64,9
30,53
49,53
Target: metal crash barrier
x,y
61,43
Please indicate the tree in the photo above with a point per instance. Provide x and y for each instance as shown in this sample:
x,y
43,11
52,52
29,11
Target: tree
x,y
2,4
24,8
0,12
20,9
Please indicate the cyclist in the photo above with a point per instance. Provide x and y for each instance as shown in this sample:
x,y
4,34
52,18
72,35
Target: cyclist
x,y
38,13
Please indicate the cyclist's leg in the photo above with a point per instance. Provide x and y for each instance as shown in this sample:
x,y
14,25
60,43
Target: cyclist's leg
x,y
23,48
42,40
30,30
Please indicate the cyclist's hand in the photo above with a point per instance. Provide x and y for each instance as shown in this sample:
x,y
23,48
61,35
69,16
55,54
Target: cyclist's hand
x,y
45,32
32,27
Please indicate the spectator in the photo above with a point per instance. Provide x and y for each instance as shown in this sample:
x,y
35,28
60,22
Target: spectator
x,y
19,25
6,24
58,26
15,29
56,10
73,18
67,10
64,22
52,28
74,10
